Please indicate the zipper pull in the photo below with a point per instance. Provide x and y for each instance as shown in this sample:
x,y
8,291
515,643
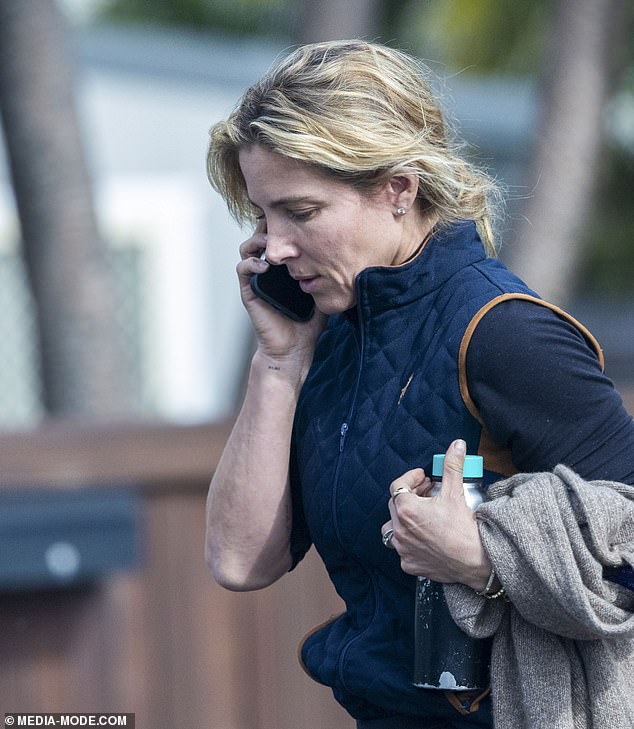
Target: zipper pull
x,y
343,432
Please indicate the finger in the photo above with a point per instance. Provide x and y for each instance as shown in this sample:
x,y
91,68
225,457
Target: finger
x,y
253,246
400,491
453,469
387,532
425,488
409,480
393,513
249,266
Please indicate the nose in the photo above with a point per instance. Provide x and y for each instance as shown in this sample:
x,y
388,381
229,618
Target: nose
x,y
279,248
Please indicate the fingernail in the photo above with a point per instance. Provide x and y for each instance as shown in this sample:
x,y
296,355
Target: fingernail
x,y
460,447
262,265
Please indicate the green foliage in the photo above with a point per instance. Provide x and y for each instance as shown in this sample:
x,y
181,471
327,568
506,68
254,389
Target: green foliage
x,y
479,35
500,35
262,17
608,269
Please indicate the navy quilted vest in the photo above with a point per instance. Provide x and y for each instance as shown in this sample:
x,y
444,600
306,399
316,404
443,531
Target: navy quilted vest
x,y
381,398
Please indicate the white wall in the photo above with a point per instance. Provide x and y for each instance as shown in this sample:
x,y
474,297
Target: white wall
x,y
147,146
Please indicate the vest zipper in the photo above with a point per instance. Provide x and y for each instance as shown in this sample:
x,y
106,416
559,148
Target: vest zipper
x,y
342,437
343,433
345,426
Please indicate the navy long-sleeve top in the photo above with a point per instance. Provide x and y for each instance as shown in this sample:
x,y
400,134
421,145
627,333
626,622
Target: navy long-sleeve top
x,y
541,392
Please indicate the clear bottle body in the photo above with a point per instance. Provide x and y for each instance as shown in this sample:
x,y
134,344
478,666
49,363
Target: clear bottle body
x,y
445,657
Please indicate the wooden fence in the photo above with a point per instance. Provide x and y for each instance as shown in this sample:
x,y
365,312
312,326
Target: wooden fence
x,y
162,641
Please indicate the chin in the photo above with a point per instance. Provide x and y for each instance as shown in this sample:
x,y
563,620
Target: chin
x,y
330,307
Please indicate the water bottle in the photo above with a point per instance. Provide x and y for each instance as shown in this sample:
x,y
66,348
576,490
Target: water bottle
x,y
444,656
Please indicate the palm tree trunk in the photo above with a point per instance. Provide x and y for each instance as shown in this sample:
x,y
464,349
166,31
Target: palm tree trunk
x,y
83,368
551,237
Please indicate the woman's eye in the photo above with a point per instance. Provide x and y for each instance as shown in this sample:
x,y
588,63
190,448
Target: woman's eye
x,y
301,214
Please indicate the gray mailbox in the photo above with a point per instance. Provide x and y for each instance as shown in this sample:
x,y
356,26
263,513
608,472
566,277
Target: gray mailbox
x,y
66,537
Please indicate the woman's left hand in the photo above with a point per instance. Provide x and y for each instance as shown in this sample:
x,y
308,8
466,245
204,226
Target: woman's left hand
x,y
437,536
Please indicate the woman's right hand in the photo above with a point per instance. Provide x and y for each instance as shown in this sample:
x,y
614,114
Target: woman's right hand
x,y
278,337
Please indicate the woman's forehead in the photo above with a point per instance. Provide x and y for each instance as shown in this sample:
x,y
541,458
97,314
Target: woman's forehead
x,y
275,180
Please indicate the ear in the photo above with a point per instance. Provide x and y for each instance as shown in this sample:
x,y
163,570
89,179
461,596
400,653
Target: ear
x,y
402,190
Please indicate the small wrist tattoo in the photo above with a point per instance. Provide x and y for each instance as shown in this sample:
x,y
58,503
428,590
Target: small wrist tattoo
x,y
274,367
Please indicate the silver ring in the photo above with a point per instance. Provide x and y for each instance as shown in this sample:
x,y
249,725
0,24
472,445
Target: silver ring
x,y
386,537
397,492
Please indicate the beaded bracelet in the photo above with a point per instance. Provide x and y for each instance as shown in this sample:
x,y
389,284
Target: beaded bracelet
x,y
495,595
486,591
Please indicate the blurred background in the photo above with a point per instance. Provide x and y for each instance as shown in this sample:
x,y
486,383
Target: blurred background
x,y
124,345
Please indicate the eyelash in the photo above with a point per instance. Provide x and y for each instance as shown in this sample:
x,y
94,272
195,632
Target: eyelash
x,y
299,216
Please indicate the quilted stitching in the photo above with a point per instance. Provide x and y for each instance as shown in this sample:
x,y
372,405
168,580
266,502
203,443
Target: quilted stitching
x,y
410,325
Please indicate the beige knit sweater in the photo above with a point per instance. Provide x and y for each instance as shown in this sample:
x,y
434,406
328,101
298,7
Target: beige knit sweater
x,y
563,647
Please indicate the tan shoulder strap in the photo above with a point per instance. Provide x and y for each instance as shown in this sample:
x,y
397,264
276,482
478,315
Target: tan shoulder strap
x,y
466,339
497,458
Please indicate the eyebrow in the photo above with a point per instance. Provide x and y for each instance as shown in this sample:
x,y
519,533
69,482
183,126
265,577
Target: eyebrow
x,y
287,201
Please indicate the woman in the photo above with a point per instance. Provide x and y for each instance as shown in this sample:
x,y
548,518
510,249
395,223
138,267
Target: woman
x,y
422,342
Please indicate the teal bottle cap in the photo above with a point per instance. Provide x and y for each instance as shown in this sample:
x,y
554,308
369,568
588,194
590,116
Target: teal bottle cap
x,y
473,466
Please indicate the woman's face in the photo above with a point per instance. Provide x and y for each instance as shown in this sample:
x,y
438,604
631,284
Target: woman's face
x,y
324,230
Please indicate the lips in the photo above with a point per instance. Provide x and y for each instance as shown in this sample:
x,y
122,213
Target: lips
x,y
307,284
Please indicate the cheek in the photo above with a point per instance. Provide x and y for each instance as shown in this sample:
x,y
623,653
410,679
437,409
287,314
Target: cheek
x,y
344,244
326,246
365,236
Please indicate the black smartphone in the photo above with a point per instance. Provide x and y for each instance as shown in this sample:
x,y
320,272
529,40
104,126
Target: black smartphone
x,y
280,290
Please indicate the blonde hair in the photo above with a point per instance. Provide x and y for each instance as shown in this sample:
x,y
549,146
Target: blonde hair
x,y
360,112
